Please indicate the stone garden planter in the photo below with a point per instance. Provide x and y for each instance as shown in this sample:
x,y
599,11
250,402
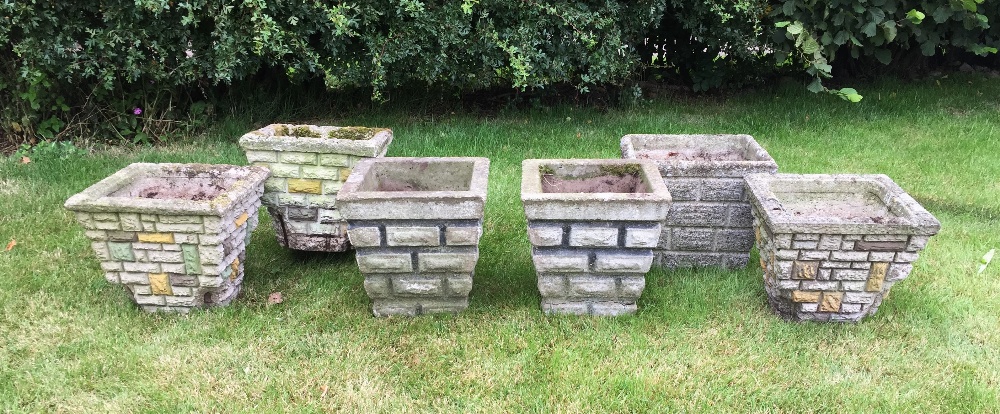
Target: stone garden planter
x,y
709,222
173,234
592,226
833,245
416,224
309,164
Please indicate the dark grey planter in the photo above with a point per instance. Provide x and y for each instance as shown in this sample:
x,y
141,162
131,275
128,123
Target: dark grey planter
x,y
709,222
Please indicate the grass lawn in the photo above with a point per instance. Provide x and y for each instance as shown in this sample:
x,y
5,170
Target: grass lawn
x,y
702,339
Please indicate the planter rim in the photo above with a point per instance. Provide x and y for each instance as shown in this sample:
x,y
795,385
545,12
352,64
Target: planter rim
x,y
264,139
630,152
97,198
533,198
910,217
350,198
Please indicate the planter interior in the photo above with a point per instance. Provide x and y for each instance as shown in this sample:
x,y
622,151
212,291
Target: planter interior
x,y
309,164
416,224
833,245
173,234
592,225
710,221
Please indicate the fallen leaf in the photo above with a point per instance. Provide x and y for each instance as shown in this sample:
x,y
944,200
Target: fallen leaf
x,y
325,388
274,298
11,245
985,261
25,160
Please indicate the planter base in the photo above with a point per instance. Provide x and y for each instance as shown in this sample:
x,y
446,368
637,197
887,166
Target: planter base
x,y
314,237
416,307
592,308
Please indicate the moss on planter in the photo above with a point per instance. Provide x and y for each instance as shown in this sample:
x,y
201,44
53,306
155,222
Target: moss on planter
x,y
622,170
354,133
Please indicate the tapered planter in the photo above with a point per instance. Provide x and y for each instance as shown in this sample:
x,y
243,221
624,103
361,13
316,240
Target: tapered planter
x,y
832,246
709,222
174,235
416,223
308,165
592,226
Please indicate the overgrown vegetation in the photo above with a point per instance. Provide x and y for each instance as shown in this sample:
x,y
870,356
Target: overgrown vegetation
x,y
148,70
703,340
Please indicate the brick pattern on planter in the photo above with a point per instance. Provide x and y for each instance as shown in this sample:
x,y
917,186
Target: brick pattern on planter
x,y
592,268
306,175
833,277
301,197
413,267
709,223
171,262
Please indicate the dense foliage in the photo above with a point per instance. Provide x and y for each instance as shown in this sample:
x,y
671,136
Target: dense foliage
x,y
139,69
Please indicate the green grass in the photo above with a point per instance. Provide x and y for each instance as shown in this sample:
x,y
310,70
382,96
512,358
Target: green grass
x,y
702,339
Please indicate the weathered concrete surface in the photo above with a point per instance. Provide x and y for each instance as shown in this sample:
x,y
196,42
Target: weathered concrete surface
x,y
416,224
709,223
592,250
173,254
306,174
832,246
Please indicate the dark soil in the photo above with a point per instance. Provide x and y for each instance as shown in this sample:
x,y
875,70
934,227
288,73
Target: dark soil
x,y
691,155
628,183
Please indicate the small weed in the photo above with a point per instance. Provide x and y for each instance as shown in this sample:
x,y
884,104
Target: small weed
x,y
622,170
47,150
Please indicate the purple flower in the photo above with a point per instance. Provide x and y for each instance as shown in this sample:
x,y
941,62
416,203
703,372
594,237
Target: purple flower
x,y
137,111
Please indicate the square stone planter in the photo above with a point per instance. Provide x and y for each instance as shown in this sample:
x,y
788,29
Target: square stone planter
x,y
709,222
308,165
174,235
593,225
832,246
416,223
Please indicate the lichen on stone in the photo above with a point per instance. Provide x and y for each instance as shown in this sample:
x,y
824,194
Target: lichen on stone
x,y
354,133
622,169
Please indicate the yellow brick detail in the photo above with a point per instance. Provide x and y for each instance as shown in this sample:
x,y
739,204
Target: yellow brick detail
x,y
876,276
159,284
167,238
242,219
803,296
804,270
344,173
296,185
236,269
831,302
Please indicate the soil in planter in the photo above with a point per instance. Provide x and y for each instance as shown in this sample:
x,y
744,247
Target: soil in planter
x,y
193,189
691,155
628,183
862,207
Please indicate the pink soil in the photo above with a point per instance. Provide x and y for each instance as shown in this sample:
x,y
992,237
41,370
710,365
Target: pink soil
x,y
193,192
601,184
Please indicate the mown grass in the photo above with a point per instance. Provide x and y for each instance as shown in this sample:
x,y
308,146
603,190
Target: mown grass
x,y
702,340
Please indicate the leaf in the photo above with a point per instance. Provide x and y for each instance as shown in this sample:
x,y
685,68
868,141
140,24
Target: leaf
x,y
274,298
25,160
889,28
915,16
795,28
877,14
816,86
869,29
985,261
788,8
11,245
850,94
782,24
883,55
810,46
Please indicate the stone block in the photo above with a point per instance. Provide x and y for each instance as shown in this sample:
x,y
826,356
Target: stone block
x,y
412,236
328,216
805,244
740,216
692,239
385,263
286,170
632,286
462,236
581,235
734,240
377,287
622,263
814,254
683,189
592,286
560,263
642,237
612,308
831,302
697,215
261,156
552,286
156,237
162,256
141,267
335,160
321,173
304,186
849,274
722,190
916,243
543,236
830,242
447,262
417,286
846,256
459,285
876,277
121,252
365,236
804,270
297,158
904,257
898,271
557,306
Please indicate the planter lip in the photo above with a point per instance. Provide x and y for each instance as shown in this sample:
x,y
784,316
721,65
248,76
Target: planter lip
x,y
539,205
432,204
765,163
264,139
97,198
910,217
